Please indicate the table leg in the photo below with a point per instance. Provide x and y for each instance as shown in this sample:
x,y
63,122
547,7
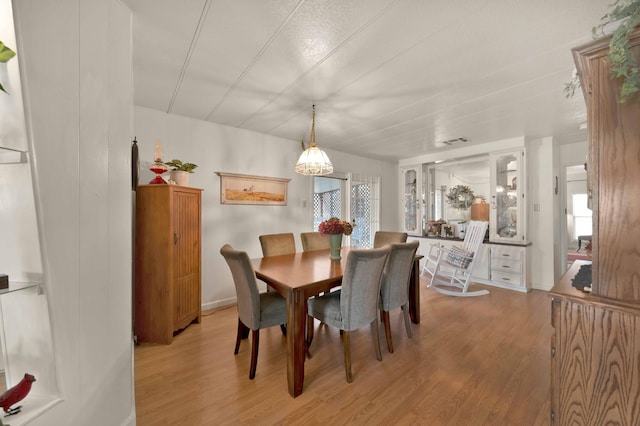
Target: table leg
x,y
414,293
296,342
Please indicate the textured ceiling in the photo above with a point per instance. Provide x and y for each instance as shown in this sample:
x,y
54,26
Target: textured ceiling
x,y
390,79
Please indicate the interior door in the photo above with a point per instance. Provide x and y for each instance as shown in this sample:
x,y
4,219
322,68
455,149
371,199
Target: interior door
x,y
364,208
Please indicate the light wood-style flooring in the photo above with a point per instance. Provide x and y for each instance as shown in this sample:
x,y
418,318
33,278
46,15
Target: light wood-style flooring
x,y
472,361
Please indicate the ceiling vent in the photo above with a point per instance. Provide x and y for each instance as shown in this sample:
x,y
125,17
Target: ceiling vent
x,y
456,140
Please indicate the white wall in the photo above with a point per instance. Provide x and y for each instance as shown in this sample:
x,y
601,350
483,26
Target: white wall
x,y
76,72
218,148
540,211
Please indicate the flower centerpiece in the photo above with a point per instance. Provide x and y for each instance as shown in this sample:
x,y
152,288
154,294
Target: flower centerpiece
x,y
334,228
460,197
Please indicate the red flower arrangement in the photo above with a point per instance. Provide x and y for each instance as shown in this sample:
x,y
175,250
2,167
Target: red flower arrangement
x,y
335,226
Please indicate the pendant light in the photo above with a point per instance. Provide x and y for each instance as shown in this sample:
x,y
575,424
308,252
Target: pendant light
x,y
313,161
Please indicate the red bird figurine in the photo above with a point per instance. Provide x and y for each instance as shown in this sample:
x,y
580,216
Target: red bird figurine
x,y
16,394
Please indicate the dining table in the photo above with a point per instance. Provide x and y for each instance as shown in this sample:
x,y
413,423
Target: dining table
x,y
302,275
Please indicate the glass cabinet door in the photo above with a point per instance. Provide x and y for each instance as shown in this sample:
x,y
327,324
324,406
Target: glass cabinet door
x,y
507,197
411,189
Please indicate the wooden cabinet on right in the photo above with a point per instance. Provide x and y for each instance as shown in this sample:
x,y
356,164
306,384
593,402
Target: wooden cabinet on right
x,y
595,372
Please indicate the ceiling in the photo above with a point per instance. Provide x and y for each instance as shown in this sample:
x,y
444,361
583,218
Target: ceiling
x,y
390,79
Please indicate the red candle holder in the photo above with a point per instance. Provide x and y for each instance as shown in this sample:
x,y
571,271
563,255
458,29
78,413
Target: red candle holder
x,y
158,168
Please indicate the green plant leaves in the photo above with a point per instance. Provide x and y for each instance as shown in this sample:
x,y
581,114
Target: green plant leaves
x,y
624,64
5,53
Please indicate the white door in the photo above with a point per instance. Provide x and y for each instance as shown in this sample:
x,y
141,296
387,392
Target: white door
x,y
364,208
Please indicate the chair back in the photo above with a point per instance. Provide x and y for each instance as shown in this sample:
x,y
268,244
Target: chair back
x,y
244,279
474,235
394,290
361,287
277,244
314,241
382,238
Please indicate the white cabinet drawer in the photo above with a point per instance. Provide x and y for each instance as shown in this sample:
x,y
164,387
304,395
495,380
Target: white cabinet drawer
x,y
506,278
506,265
506,253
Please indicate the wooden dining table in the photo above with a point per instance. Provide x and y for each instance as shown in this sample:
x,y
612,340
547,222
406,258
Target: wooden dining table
x,y
299,276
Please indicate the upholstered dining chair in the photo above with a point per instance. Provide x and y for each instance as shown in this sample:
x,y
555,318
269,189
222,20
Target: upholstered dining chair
x,y
277,244
314,241
255,310
382,238
356,304
394,289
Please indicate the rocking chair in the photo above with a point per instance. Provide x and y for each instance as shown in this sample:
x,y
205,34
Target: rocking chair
x,y
452,267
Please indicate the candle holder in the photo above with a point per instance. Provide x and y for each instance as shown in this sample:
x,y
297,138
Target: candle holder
x,y
158,168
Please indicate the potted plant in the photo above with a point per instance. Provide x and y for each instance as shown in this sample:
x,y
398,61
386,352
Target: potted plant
x,y
180,171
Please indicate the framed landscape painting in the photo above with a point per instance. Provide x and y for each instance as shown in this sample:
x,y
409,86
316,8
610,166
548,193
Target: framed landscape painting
x,y
247,189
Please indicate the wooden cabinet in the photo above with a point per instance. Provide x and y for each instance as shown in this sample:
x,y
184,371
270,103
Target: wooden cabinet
x,y
167,261
595,377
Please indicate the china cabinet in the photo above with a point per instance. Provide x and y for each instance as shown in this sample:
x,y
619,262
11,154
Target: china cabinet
x,y
595,346
507,221
411,190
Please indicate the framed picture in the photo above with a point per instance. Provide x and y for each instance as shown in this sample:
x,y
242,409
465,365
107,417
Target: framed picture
x,y
448,230
247,189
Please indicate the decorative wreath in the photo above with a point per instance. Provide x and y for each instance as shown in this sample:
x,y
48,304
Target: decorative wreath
x,y
460,197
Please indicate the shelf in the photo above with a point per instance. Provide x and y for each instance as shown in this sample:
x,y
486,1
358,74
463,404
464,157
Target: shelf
x,y
17,286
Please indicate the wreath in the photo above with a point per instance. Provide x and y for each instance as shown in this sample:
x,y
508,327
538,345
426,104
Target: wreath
x,y
460,197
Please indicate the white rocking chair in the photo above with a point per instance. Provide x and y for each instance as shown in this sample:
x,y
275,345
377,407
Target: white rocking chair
x,y
452,267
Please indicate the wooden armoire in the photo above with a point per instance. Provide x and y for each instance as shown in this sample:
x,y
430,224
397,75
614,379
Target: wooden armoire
x,y
167,261
595,348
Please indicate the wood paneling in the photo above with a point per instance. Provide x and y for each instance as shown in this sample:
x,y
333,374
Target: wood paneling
x,y
614,174
595,367
167,261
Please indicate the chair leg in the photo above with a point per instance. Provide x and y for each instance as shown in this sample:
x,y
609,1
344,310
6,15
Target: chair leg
x,y
387,329
346,342
310,330
407,321
376,339
243,332
255,342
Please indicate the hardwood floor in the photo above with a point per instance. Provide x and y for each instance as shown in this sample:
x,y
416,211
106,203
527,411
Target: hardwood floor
x,y
471,361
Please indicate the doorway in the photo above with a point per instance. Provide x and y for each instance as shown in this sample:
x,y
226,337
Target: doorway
x,y
354,198
578,215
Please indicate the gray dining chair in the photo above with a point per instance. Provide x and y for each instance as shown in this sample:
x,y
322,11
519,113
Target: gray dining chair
x,y
277,244
314,241
394,289
382,238
255,310
356,304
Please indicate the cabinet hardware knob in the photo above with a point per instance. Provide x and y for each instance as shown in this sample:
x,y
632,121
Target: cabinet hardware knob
x,y
175,238
553,351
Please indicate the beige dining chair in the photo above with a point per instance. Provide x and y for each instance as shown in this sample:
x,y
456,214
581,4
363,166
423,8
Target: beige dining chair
x,y
356,304
277,244
255,310
382,238
314,241
394,290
